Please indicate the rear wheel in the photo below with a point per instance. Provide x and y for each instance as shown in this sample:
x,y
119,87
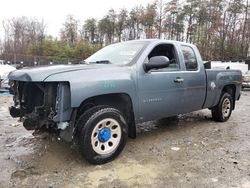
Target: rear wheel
x,y
103,134
222,111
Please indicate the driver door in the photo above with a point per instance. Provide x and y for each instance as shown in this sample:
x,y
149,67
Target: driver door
x,y
161,92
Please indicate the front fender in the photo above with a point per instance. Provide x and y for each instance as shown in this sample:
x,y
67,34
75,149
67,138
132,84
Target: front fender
x,y
87,83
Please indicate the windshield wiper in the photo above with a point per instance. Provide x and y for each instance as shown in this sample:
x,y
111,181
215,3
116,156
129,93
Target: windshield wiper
x,y
101,62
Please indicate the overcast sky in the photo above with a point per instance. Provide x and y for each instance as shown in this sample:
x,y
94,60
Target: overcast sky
x,y
54,12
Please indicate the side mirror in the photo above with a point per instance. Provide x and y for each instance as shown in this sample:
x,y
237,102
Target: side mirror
x,y
157,62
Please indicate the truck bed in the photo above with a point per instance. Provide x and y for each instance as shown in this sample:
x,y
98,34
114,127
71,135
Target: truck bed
x,y
216,80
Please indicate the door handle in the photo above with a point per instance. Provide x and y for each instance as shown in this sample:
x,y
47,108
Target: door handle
x,y
179,80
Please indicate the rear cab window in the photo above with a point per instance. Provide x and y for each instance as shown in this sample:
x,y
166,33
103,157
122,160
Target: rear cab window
x,y
190,59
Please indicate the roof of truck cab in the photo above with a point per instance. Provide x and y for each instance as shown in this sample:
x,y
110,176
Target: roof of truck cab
x,y
161,40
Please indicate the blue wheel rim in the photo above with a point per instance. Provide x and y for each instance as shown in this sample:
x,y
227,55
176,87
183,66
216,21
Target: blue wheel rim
x,y
104,135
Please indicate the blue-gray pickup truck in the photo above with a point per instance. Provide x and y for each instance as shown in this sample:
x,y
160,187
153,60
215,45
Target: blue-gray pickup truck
x,y
97,103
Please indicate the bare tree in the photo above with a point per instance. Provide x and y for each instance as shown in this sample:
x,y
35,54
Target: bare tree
x,y
20,34
121,23
69,32
244,42
148,20
160,16
135,22
1,47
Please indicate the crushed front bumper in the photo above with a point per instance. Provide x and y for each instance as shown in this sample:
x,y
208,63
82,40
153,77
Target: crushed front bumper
x,y
41,104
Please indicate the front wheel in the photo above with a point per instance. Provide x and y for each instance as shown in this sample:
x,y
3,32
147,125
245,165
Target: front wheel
x,y
222,111
103,134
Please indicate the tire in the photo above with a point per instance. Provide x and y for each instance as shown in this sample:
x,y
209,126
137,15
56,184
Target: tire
x,y
86,114
222,111
103,134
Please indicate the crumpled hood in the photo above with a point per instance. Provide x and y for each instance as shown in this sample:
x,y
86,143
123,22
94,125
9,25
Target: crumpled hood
x,y
38,74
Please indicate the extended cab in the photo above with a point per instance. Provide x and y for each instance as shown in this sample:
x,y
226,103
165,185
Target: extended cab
x,y
98,103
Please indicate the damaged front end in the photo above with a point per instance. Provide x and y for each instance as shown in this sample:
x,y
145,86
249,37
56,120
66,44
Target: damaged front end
x,y
41,105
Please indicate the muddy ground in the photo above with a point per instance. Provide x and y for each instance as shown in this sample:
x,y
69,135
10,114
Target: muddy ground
x,y
190,151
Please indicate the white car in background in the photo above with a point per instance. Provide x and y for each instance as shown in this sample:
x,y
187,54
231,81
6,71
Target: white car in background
x,y
4,71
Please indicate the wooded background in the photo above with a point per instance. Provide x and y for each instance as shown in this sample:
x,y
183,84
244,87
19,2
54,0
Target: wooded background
x,y
220,29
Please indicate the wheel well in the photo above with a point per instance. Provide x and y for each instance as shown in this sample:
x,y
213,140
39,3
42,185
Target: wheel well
x,y
231,89
120,101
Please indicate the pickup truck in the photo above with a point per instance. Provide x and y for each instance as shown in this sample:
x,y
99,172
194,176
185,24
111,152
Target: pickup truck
x,y
97,104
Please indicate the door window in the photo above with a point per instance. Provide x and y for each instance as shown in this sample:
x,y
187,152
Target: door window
x,y
167,50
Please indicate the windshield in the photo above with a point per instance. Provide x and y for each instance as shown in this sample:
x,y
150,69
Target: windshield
x,y
120,53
